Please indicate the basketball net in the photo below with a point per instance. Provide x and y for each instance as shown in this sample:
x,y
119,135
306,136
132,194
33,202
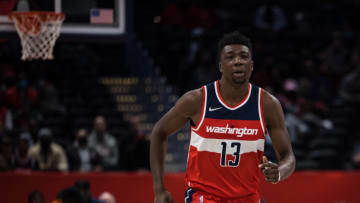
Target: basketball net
x,y
38,32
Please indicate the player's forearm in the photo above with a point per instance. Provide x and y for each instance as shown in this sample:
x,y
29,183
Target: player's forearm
x,y
287,165
157,157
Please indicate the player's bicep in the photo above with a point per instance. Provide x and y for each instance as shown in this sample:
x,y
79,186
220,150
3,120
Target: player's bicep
x,y
274,117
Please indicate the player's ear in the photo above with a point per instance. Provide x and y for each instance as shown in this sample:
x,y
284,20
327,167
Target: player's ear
x,y
220,68
252,65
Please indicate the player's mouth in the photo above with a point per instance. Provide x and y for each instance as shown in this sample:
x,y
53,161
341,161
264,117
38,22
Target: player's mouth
x,y
238,74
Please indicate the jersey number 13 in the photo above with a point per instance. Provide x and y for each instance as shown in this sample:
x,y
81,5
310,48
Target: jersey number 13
x,y
232,162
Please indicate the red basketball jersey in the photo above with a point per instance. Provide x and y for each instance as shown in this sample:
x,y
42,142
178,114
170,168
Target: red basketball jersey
x,y
227,145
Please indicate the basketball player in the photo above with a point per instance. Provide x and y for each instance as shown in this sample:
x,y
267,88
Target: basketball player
x,y
229,118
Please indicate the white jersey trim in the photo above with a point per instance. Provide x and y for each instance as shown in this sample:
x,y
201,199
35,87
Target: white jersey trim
x,y
225,105
260,110
203,110
214,145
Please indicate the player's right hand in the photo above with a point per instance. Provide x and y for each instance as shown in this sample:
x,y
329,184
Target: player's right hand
x,y
163,197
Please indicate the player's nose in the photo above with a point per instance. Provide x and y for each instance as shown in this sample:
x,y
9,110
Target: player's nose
x,y
238,61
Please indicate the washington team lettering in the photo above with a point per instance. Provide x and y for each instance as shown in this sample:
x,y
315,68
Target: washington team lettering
x,y
226,130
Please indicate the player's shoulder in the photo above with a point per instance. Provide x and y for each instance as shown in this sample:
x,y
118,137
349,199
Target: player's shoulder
x,y
192,97
189,103
269,100
194,94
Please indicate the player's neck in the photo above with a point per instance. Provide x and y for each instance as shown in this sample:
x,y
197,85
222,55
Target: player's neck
x,y
232,93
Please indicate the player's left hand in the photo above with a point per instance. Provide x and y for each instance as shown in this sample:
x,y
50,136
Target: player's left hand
x,y
270,170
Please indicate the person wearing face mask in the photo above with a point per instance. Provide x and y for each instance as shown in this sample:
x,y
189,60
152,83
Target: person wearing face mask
x,y
83,157
46,154
105,144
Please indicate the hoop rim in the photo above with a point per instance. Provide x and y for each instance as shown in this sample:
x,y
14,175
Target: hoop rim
x,y
16,14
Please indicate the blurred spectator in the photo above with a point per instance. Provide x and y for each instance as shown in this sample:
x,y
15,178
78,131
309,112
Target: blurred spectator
x,y
350,87
201,72
104,144
22,159
7,158
187,14
81,156
138,152
301,21
48,155
107,197
329,16
355,158
289,99
11,97
25,98
7,100
270,17
50,97
334,55
36,197
6,121
84,187
1,129
69,195
310,113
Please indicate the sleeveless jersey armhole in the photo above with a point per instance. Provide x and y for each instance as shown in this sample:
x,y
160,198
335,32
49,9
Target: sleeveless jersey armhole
x,y
261,114
203,109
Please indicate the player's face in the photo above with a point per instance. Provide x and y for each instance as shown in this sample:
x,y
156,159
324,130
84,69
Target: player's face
x,y
236,63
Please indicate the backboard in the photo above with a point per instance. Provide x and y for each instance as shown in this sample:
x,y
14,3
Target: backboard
x,y
83,17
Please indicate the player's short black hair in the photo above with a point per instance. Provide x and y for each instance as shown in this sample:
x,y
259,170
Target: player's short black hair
x,y
233,38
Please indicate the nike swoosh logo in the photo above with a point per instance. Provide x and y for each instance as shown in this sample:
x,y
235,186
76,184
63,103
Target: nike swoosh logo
x,y
214,109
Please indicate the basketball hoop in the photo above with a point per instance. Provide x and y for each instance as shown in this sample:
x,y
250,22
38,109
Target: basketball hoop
x,y
38,32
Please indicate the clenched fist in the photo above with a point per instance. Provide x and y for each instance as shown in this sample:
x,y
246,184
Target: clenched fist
x,y
270,170
163,197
